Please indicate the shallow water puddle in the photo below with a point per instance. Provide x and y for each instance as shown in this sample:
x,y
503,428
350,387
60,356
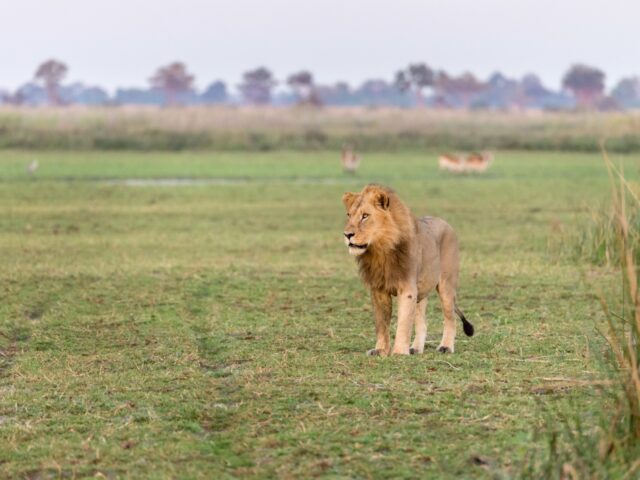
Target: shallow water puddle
x,y
182,182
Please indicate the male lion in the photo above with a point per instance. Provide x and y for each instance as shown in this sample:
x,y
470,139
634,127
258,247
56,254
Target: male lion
x,y
401,255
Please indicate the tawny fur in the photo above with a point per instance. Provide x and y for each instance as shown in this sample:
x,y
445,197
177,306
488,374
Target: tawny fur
x,y
451,162
478,161
400,255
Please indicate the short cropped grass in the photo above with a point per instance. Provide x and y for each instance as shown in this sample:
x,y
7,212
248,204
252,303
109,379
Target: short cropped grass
x,y
218,330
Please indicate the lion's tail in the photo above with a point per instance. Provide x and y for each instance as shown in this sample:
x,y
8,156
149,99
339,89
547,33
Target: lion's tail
x,y
466,324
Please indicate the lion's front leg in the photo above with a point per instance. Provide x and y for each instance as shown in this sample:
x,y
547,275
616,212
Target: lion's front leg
x,y
382,306
407,299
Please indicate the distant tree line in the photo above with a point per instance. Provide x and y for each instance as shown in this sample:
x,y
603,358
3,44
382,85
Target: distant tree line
x,y
416,85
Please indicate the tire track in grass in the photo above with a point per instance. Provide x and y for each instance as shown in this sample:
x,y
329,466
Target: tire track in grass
x,y
205,306
23,304
112,375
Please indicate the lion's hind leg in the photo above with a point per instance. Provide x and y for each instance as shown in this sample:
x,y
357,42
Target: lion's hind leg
x,y
421,327
448,301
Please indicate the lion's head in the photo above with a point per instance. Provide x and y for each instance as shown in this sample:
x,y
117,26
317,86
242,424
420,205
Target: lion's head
x,y
372,219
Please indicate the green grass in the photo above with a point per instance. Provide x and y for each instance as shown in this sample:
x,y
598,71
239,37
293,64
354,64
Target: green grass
x,y
219,330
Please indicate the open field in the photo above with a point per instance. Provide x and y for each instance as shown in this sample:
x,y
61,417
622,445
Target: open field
x,y
265,129
219,330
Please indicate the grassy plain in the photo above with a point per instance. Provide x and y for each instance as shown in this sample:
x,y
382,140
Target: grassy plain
x,y
218,330
304,129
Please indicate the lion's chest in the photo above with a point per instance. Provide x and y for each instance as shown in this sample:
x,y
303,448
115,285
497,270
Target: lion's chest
x,y
388,271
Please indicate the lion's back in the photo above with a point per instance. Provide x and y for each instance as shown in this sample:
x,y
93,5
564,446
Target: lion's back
x,y
435,228
439,247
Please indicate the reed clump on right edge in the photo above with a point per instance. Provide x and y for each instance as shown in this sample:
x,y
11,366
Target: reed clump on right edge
x,y
610,448
621,431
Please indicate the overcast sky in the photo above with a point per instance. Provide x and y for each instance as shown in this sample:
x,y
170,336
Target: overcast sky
x,y
121,42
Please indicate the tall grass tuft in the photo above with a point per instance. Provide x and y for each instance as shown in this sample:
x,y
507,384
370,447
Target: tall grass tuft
x,y
624,328
599,241
612,448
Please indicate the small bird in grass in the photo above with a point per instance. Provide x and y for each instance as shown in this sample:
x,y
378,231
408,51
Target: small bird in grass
x,y
32,167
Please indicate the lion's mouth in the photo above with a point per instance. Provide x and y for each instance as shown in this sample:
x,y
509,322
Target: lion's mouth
x,y
355,245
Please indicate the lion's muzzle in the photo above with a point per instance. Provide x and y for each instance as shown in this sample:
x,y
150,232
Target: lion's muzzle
x,y
356,249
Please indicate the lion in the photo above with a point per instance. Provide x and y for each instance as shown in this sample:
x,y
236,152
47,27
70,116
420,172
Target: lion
x,y
401,255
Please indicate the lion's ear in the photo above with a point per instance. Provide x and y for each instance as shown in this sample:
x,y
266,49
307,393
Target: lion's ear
x,y
382,200
348,198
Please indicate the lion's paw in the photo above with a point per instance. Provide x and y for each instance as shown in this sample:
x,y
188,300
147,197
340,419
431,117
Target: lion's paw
x,y
375,352
415,351
443,349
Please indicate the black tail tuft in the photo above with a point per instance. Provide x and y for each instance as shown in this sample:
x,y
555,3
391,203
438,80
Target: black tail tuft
x,y
466,325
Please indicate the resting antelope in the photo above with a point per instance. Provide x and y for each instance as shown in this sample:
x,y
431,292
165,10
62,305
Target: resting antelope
x,y
462,163
479,161
451,162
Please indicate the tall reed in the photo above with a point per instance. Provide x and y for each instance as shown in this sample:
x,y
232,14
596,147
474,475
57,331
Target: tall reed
x,y
623,332
611,449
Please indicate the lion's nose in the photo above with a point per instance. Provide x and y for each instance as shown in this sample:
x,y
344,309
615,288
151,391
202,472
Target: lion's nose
x,y
349,235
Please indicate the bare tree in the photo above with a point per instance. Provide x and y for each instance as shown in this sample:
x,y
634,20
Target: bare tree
x,y
15,99
532,85
257,85
627,91
440,83
586,83
463,87
51,73
416,76
173,80
215,93
304,87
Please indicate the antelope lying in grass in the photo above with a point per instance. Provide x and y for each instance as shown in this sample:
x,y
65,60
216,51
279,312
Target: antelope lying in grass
x,y
479,161
462,162
451,162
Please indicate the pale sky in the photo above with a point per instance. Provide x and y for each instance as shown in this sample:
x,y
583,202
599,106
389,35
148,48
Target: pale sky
x,y
121,42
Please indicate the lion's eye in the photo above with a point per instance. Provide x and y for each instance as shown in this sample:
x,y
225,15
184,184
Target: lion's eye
x,y
348,214
365,216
